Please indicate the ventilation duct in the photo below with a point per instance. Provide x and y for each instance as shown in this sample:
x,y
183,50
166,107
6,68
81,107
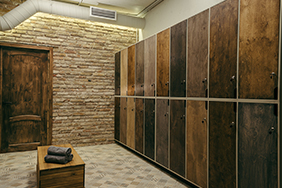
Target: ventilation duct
x,y
103,13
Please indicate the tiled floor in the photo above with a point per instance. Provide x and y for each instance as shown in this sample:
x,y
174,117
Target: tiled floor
x,y
105,166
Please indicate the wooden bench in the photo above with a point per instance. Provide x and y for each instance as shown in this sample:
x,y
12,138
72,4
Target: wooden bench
x,y
53,175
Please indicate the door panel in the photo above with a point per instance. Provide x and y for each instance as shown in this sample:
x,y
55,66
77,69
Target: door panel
x,y
123,120
131,71
177,136
117,118
139,69
178,60
130,132
257,145
149,65
259,32
222,145
162,132
197,142
123,71
163,63
198,29
223,49
139,124
150,128
117,73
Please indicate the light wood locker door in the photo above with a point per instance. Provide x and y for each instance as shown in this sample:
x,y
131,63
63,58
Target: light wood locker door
x,y
163,63
130,131
177,136
117,73
258,53
150,128
139,124
196,142
131,71
123,120
178,60
222,145
198,29
149,65
123,72
258,146
223,49
139,86
117,118
162,131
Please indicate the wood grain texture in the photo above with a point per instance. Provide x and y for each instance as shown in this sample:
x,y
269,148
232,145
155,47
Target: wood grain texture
x,y
163,43
258,53
150,128
117,118
223,49
117,73
1,91
177,136
123,120
196,142
178,59
130,131
222,145
131,71
149,65
50,94
139,86
123,72
198,31
139,124
162,131
257,147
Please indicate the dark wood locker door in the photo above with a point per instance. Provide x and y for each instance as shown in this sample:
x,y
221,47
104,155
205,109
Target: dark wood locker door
x,y
196,142
117,73
150,128
178,60
198,31
117,118
131,71
163,43
223,49
222,145
257,147
162,131
258,52
139,124
177,136
123,119
149,66
130,130
139,86
123,72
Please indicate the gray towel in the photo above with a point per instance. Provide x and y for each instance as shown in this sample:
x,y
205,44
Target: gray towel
x,y
58,159
53,150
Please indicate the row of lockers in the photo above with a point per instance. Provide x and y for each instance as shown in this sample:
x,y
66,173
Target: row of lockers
x,y
199,56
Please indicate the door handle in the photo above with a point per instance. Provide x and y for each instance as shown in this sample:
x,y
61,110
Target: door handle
x,y
7,103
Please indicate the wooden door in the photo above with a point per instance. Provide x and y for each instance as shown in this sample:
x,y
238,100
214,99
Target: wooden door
x,y
131,71
163,63
26,97
223,49
139,124
222,145
257,147
150,128
196,142
178,60
258,53
177,136
162,131
198,32
117,73
149,65
139,86
130,131
123,119
123,72
117,118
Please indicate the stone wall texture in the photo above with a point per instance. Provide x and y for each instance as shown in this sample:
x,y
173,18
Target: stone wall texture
x,y
83,77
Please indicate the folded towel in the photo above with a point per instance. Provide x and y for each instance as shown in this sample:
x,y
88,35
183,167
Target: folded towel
x,y
58,159
53,150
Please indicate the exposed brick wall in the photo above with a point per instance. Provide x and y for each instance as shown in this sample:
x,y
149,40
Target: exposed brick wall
x,y
83,77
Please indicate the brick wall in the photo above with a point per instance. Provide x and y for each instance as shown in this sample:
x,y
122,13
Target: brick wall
x,y
83,77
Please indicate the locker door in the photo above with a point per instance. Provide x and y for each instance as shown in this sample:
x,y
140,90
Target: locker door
x,y
139,87
222,145
123,72
198,29
150,128
196,138
123,120
149,65
223,49
177,136
139,124
117,73
258,145
178,60
162,132
131,71
117,118
130,131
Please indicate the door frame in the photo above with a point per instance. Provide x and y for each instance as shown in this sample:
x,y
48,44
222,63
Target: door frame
x,y
49,120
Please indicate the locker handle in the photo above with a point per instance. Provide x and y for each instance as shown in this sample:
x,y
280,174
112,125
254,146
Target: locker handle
x,y
132,109
232,124
152,84
272,75
167,83
182,117
204,80
125,108
271,130
232,78
132,86
183,81
205,119
166,114
142,85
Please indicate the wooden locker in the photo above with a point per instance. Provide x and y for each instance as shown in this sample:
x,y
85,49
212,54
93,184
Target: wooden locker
x,y
131,71
150,128
117,118
123,120
178,60
123,72
130,131
257,147
117,73
149,65
139,124
139,86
